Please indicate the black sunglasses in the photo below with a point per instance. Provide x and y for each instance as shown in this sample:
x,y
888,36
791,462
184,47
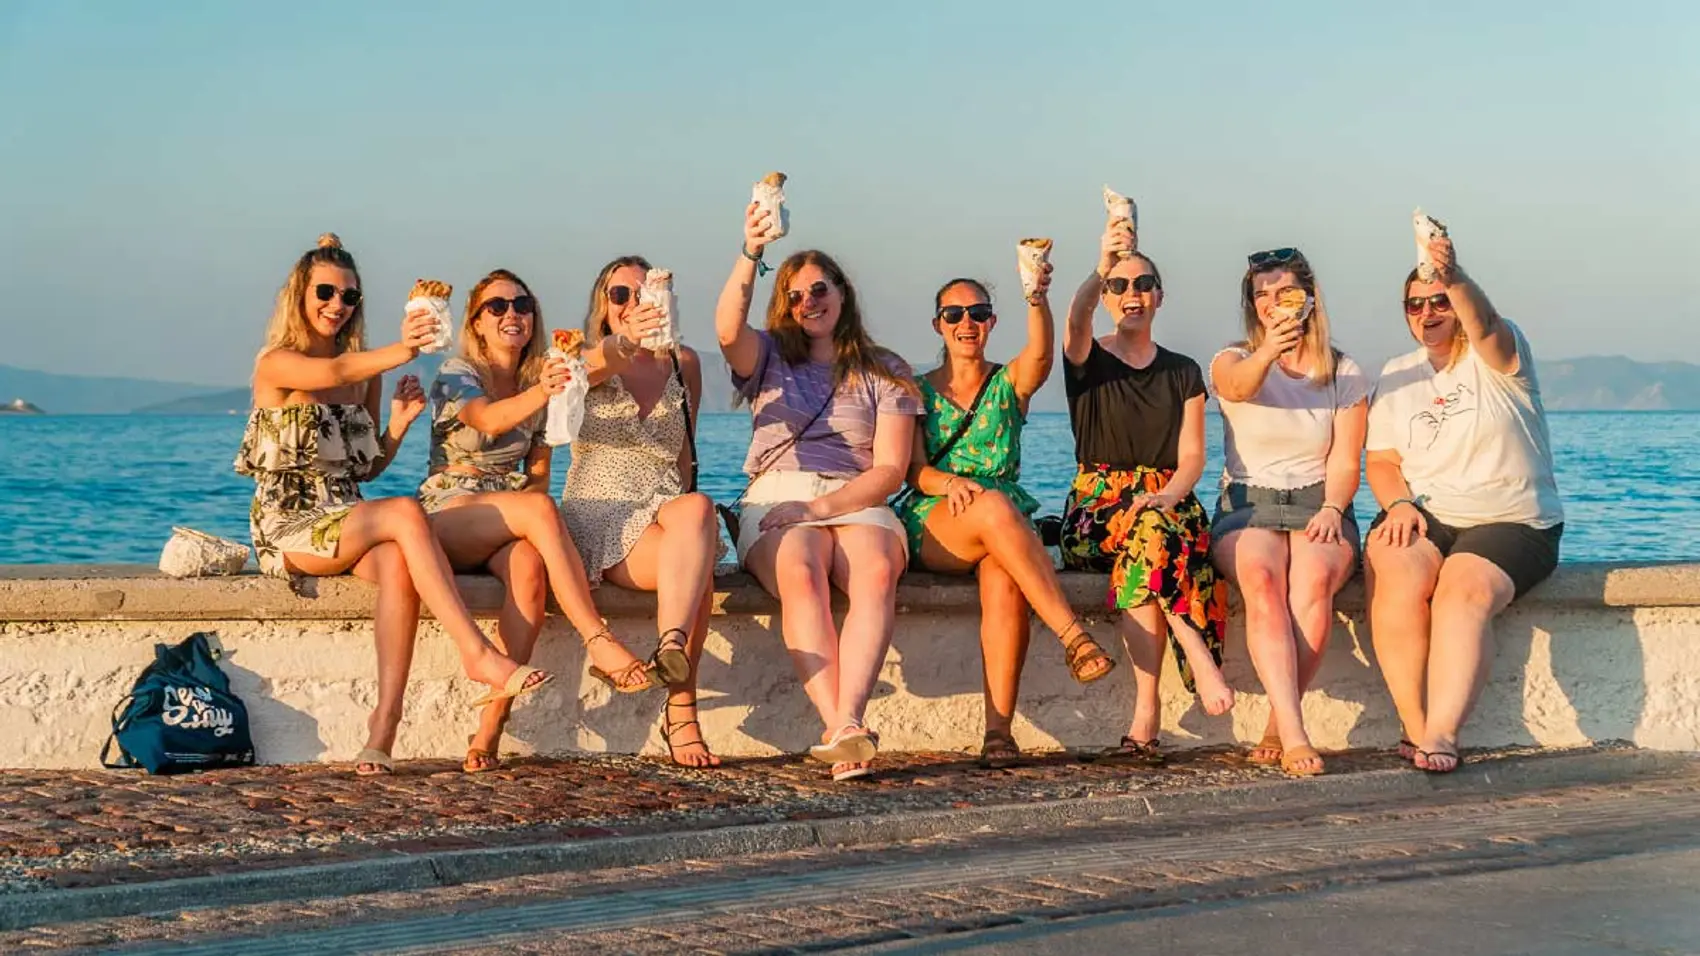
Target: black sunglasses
x,y
1273,257
325,292
620,294
818,290
498,306
1439,302
952,314
1116,285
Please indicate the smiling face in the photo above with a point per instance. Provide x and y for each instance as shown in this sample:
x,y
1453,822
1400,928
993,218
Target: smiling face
x,y
967,338
1435,328
1132,309
630,279
327,317
510,332
815,301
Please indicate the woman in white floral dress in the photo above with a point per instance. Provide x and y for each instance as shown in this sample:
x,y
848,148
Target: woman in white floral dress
x,y
312,437
630,500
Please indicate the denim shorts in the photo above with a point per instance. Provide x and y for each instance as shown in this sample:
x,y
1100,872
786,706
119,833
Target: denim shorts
x,y
1241,506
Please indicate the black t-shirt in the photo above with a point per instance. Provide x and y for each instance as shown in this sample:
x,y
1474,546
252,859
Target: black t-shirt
x,y
1124,416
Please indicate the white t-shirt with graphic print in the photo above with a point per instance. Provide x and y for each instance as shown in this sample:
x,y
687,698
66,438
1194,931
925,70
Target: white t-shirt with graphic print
x,y
1282,436
1473,439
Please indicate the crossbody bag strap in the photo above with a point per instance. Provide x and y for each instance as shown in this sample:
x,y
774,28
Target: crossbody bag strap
x,y
777,451
972,412
690,430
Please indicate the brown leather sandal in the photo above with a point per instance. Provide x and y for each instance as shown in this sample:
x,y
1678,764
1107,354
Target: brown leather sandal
x,y
998,751
621,681
1082,653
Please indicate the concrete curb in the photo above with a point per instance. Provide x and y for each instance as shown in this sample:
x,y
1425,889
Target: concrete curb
x,y
451,867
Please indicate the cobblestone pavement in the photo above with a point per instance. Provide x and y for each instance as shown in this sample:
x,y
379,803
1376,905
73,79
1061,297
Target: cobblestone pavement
x,y
64,829
826,898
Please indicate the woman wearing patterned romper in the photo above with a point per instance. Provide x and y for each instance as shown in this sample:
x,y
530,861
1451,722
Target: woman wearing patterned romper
x,y
487,409
627,499
1137,410
312,437
970,515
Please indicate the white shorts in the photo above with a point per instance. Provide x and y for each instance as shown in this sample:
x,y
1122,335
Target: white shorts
x,y
778,487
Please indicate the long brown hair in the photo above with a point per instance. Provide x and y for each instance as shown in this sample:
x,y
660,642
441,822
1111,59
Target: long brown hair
x,y
1318,345
287,328
1460,338
596,313
856,355
472,344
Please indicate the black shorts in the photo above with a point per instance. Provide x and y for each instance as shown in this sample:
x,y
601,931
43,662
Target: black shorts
x,y
1526,555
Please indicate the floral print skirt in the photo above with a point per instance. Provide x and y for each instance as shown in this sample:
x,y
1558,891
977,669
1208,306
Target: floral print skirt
x,y
309,521
443,487
1150,555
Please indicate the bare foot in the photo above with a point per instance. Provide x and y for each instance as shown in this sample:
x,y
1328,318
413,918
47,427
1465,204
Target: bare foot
x,y
491,668
1213,691
1147,721
610,656
1407,750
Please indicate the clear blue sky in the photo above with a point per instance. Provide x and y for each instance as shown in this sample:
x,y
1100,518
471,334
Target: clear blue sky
x,y
162,164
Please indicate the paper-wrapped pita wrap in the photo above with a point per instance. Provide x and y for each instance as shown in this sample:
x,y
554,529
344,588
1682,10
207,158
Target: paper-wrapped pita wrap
x,y
769,197
657,290
1119,208
434,295
1030,257
1293,303
564,414
1427,227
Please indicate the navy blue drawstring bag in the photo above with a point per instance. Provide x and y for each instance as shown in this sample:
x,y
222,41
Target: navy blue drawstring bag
x,y
180,715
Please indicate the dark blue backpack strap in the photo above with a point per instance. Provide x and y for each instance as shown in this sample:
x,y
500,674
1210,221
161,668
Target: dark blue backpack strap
x,y
120,719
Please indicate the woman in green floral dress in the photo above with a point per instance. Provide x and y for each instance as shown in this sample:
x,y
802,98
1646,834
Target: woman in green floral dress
x,y
312,438
968,513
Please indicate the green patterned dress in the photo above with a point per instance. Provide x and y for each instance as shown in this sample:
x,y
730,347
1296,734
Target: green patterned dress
x,y
306,462
989,452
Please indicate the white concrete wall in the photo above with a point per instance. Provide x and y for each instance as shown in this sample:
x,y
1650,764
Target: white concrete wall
x,y
1596,654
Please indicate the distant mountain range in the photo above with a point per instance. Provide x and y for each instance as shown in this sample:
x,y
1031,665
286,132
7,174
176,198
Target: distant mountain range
x,y
1594,383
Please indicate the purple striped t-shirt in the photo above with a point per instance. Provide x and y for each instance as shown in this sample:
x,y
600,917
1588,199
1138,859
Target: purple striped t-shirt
x,y
840,443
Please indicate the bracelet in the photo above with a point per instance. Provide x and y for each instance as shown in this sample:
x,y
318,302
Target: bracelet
x,y
947,483
1335,508
762,268
1404,501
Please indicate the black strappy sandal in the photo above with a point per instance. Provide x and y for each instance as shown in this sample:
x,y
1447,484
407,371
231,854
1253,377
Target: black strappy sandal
x,y
669,728
670,661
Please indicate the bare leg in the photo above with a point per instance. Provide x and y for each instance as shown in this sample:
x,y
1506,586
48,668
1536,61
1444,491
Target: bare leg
x,y
1143,632
1316,573
520,567
866,563
395,626
1005,627
992,526
1256,560
1400,582
1469,595
403,522
794,565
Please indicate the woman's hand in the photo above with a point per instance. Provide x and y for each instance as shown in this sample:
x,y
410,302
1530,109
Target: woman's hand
x,y
407,402
1161,500
959,493
1042,283
1404,525
418,328
1283,338
759,228
1445,259
641,323
788,513
555,375
1324,526
1118,243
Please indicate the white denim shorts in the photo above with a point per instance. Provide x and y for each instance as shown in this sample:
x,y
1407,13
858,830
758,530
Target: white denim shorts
x,y
777,487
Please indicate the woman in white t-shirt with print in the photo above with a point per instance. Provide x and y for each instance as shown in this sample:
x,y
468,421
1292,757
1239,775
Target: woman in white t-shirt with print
x,y
1293,410
1460,460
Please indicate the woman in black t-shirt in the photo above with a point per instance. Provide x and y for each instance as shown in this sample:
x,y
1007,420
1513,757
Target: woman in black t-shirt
x,y
1137,410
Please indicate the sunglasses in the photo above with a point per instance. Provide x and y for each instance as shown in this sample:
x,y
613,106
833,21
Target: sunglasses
x,y
952,314
1438,302
620,294
819,290
1273,257
498,306
1116,285
325,292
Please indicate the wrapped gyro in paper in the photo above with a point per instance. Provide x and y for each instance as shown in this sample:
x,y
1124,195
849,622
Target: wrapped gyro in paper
x,y
769,197
657,290
1293,303
1119,208
1030,257
1427,227
564,414
434,295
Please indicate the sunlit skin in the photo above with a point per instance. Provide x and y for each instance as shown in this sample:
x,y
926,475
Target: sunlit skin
x,y
1435,328
326,319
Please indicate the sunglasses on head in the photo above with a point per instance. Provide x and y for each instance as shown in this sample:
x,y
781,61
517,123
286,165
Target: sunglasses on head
x,y
498,306
325,292
1273,257
952,314
1116,285
818,290
620,294
1438,302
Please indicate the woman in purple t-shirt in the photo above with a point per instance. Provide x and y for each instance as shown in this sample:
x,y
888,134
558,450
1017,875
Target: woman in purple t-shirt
x,y
834,418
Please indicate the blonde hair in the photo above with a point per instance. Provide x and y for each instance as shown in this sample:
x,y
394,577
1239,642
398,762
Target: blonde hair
x,y
472,347
1460,338
287,328
856,355
596,313
1317,346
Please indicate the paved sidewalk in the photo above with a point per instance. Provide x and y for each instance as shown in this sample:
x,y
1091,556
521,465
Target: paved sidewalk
x,y
69,829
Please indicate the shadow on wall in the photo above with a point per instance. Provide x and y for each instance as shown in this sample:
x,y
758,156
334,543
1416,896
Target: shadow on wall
x,y
291,734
